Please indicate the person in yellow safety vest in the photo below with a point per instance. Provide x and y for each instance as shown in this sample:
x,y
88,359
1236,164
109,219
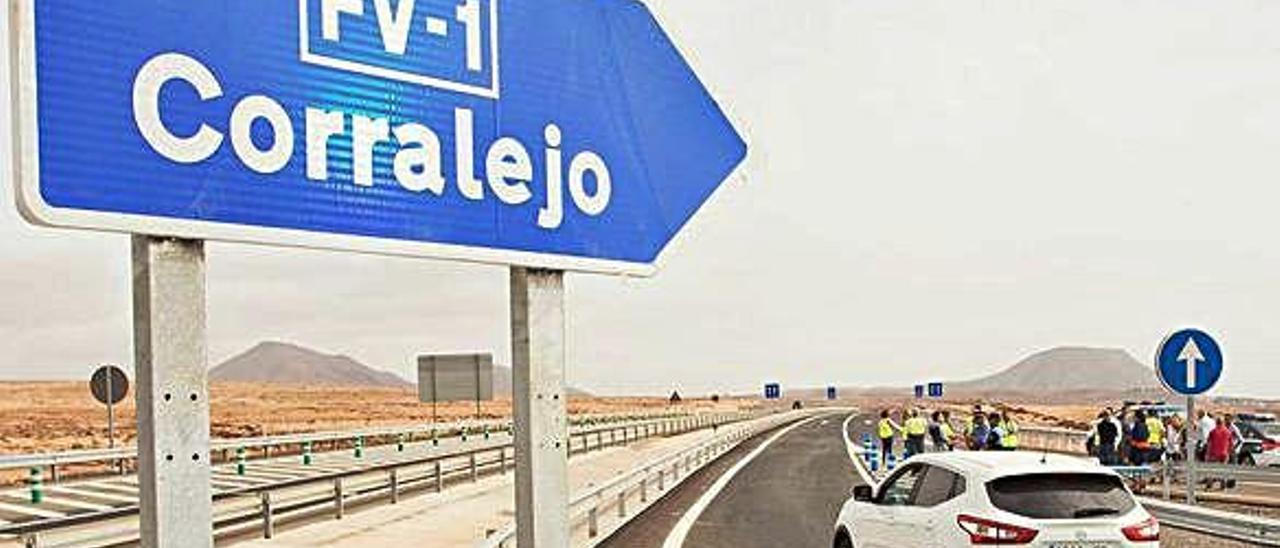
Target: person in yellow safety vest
x,y
885,431
1155,438
1010,440
967,427
915,429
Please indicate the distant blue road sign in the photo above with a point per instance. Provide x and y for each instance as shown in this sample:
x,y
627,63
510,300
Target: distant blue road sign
x,y
935,390
831,392
919,391
1189,362
568,134
772,391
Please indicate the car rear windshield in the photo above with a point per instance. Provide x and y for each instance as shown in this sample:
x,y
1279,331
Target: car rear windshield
x,y
1061,496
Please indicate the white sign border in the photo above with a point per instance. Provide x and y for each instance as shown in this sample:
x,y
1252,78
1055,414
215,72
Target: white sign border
x,y
33,208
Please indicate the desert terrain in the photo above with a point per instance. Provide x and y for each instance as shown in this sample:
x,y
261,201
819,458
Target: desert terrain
x,y
60,416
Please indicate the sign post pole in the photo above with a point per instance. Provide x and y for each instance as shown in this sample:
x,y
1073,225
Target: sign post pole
x,y
173,401
538,356
111,416
1193,439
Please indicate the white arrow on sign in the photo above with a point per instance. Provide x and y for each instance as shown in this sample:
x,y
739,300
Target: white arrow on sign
x,y
1191,355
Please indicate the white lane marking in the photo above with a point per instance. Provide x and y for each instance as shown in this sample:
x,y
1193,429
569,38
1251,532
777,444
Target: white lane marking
x,y
675,539
853,453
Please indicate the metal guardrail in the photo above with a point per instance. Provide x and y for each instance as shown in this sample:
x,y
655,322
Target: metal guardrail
x,y
53,461
1256,530
386,479
629,495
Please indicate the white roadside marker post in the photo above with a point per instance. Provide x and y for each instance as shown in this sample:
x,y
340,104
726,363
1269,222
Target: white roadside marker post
x,y
538,356
170,355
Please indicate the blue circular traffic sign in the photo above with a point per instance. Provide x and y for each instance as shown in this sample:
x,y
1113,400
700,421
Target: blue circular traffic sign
x,y
1189,362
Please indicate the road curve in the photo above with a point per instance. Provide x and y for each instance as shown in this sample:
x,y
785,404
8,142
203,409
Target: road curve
x,y
788,495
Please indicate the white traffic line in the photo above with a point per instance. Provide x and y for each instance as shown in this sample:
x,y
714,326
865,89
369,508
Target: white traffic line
x,y
675,539
853,453
24,510
89,494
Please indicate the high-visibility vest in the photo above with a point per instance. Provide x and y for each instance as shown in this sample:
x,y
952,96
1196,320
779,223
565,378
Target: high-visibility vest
x,y
1155,432
885,429
1010,440
947,432
917,426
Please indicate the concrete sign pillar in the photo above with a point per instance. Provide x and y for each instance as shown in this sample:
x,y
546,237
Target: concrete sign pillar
x,y
170,354
541,422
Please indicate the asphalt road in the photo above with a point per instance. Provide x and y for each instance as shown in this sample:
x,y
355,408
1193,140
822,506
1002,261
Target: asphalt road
x,y
789,495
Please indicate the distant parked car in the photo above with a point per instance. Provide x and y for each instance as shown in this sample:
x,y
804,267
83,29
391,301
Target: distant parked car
x,y
1261,446
996,498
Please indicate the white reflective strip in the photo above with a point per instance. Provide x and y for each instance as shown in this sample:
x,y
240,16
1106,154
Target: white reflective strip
x,y
30,511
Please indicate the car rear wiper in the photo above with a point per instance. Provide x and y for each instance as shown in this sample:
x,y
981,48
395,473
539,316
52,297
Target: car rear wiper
x,y
1094,512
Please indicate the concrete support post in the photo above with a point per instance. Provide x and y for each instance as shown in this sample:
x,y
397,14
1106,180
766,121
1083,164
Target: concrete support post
x,y
171,361
538,357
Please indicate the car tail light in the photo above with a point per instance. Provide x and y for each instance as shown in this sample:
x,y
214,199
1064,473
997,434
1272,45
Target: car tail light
x,y
985,531
1147,531
1270,445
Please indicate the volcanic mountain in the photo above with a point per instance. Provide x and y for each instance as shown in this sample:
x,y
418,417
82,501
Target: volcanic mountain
x,y
277,362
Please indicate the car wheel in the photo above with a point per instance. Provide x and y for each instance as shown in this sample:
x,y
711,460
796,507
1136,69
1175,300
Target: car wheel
x,y
842,541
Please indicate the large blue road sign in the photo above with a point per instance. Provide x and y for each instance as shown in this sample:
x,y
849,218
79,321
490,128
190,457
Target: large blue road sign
x,y
831,392
935,390
772,391
551,133
1189,362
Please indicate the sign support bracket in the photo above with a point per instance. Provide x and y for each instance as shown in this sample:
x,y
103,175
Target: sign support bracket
x,y
541,422
170,354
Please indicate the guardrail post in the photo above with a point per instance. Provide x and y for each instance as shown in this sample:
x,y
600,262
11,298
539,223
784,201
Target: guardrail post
x,y
53,474
338,499
400,443
37,485
661,480
622,503
395,485
435,438
306,453
593,522
502,460
240,461
475,473
644,488
439,475
268,525
359,452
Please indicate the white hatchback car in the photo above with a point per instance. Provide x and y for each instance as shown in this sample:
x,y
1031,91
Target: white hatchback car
x,y
967,498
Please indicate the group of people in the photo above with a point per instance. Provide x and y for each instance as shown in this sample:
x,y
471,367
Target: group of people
x,y
981,431
1142,437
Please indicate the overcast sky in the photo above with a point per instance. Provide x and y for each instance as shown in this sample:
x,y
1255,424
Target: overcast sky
x,y
936,189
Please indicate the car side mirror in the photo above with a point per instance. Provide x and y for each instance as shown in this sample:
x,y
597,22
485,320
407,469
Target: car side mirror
x,y
863,493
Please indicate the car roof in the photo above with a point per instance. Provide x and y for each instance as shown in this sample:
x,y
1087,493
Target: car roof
x,y
996,464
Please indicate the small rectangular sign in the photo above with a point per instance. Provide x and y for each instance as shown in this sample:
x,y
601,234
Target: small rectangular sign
x,y
455,377
919,391
831,392
772,391
935,390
